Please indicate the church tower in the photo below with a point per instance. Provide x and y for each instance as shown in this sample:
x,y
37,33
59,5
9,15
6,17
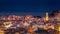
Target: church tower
x,y
47,18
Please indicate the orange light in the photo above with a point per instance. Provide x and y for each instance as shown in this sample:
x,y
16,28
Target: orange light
x,y
59,28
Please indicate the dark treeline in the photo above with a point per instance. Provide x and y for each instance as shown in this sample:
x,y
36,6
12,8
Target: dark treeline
x,y
54,13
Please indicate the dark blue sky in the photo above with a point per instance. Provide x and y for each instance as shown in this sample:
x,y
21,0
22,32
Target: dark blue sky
x,y
24,7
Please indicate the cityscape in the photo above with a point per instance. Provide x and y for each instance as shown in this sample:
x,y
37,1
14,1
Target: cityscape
x,y
29,16
28,24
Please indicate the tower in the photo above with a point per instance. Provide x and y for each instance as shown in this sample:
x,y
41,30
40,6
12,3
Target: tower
x,y
46,17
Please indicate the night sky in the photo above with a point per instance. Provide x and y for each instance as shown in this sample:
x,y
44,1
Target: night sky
x,y
24,7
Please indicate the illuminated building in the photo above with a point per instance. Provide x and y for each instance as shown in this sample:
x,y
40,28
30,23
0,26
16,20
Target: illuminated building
x,y
7,24
46,17
28,17
1,31
17,33
2,17
58,29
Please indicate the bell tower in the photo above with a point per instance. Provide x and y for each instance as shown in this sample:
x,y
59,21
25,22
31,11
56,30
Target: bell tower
x,y
46,17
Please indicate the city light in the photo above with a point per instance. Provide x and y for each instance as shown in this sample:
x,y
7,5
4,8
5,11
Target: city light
x,y
8,26
59,28
29,24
